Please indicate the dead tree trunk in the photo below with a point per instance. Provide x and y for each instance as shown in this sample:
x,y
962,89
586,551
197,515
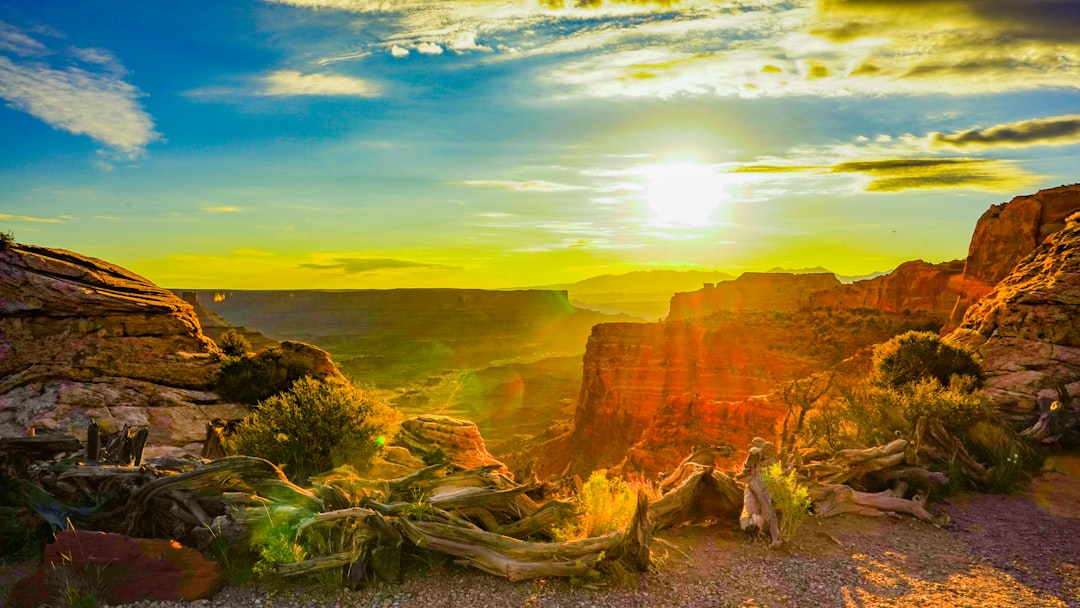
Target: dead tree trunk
x,y
758,511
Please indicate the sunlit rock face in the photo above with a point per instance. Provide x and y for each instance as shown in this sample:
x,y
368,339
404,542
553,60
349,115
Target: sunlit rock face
x,y
81,338
1026,330
1005,235
913,286
752,291
631,371
686,422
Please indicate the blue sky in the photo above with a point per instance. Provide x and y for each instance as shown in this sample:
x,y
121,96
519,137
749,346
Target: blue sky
x,y
496,143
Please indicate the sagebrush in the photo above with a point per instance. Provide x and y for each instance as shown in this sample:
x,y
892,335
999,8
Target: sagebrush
x,y
233,343
250,379
315,426
790,499
916,356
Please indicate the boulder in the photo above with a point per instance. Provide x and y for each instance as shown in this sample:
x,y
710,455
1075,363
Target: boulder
x,y
432,437
1026,331
118,569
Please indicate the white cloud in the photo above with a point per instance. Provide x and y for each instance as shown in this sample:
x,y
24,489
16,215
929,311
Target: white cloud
x,y
291,82
399,51
93,100
466,41
429,48
33,220
222,209
533,185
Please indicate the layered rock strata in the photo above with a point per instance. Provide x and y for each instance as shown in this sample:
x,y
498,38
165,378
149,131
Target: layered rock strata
x,y
81,338
752,291
1026,331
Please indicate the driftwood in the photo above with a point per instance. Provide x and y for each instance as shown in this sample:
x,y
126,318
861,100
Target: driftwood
x,y
758,512
834,499
702,493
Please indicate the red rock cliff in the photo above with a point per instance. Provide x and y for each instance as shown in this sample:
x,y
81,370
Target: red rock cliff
x,y
913,286
1027,330
752,291
1005,235
631,370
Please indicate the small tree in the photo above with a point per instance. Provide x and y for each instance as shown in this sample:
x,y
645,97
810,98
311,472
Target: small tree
x,y
234,344
315,426
915,356
7,239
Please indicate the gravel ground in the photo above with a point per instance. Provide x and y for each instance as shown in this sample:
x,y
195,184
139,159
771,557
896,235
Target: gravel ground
x,y
998,551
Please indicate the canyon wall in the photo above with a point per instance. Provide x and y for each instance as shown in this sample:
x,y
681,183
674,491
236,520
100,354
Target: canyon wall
x,y
1026,331
912,286
752,291
630,371
1006,234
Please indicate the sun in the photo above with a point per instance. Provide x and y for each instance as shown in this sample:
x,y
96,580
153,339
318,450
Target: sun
x,y
683,194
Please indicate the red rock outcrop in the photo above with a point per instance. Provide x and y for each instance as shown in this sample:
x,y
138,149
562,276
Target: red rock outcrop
x,y
129,569
1027,330
631,370
752,291
1005,235
687,422
81,338
913,286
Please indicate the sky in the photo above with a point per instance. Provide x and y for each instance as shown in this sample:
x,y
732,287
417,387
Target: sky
x,y
290,144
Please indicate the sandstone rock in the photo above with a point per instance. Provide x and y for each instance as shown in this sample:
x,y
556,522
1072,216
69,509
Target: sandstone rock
x,y
458,440
1005,235
687,422
123,569
752,291
81,338
1027,330
913,286
631,370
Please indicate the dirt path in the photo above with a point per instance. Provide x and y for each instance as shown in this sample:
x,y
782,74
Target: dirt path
x,y
999,551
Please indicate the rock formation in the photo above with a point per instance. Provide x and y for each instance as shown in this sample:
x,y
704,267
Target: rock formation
x,y
687,422
432,437
631,370
1006,234
753,291
1026,330
913,286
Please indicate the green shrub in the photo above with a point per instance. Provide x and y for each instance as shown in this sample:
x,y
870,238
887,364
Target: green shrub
x,y
233,343
604,506
915,356
866,415
7,239
315,426
253,379
790,499
1004,450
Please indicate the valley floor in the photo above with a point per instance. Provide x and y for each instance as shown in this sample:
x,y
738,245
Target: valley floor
x,y
998,551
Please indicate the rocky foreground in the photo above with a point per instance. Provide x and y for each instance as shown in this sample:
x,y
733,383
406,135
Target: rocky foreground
x,y
997,551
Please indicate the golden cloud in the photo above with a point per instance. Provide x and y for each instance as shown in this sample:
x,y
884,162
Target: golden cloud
x,y
898,174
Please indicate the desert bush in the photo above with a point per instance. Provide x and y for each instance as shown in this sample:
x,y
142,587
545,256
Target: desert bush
x,y
866,414
1008,454
604,506
233,343
790,498
915,356
315,426
253,379
7,239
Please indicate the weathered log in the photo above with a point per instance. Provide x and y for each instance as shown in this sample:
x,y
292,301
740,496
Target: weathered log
x,y
214,444
758,511
834,499
520,560
40,447
952,450
915,475
702,494
315,564
542,520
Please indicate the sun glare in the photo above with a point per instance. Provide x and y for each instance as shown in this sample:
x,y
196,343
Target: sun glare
x,y
685,194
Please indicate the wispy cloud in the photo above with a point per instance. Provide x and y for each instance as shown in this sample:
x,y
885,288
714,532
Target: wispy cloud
x,y
1053,131
291,82
34,220
86,94
533,185
221,209
362,265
